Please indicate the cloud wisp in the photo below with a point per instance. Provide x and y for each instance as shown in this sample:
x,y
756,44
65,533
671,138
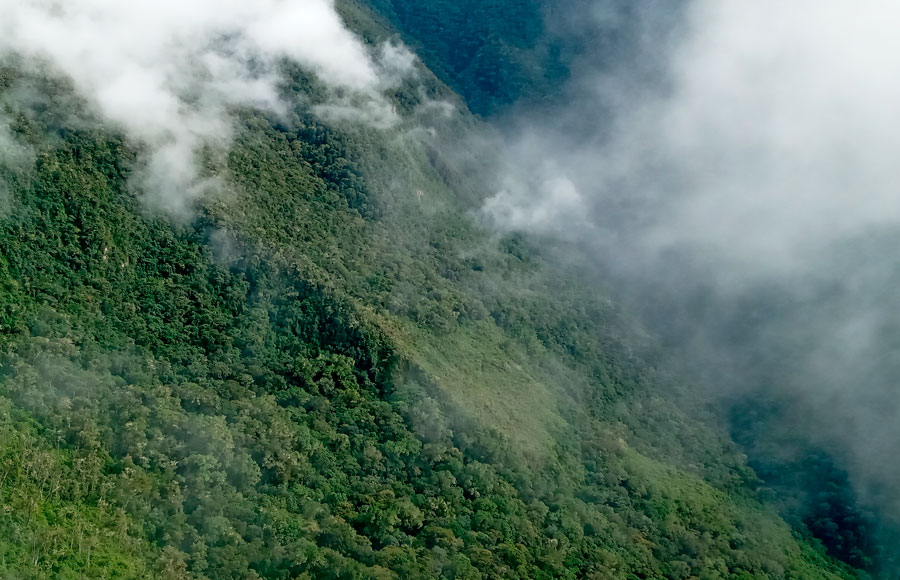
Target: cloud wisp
x,y
167,71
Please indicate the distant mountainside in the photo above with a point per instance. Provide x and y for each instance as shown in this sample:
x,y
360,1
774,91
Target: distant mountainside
x,y
492,53
499,54
330,368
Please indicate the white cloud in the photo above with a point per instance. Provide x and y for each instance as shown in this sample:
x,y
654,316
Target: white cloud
x,y
772,138
553,202
12,152
753,192
780,127
166,71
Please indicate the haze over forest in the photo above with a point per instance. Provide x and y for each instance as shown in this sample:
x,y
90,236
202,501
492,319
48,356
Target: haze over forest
x,y
449,289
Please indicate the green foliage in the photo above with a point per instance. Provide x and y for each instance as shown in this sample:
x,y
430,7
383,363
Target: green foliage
x,y
328,375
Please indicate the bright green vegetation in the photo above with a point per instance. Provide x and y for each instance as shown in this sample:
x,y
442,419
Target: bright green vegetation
x,y
330,371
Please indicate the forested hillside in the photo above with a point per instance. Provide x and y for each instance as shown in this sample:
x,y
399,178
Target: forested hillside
x,y
331,369
492,53
499,55
757,337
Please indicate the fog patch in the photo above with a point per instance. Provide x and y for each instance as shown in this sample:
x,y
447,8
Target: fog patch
x,y
744,197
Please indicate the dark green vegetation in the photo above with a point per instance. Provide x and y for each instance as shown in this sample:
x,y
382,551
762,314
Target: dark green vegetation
x,y
499,54
493,53
829,510
762,336
329,371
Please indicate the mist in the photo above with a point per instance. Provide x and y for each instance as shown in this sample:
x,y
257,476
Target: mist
x,y
168,72
14,157
730,176
733,178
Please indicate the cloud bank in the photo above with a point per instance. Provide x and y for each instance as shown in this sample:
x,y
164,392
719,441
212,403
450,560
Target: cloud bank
x,y
167,71
771,138
778,133
747,199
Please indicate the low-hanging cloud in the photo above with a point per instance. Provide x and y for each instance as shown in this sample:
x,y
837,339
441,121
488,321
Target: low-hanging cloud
x,y
779,129
771,137
166,71
554,201
750,189
13,153
14,156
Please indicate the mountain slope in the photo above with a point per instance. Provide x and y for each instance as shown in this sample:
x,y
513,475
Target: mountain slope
x,y
329,370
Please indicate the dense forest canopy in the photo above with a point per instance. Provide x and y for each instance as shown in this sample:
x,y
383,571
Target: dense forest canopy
x,y
323,362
